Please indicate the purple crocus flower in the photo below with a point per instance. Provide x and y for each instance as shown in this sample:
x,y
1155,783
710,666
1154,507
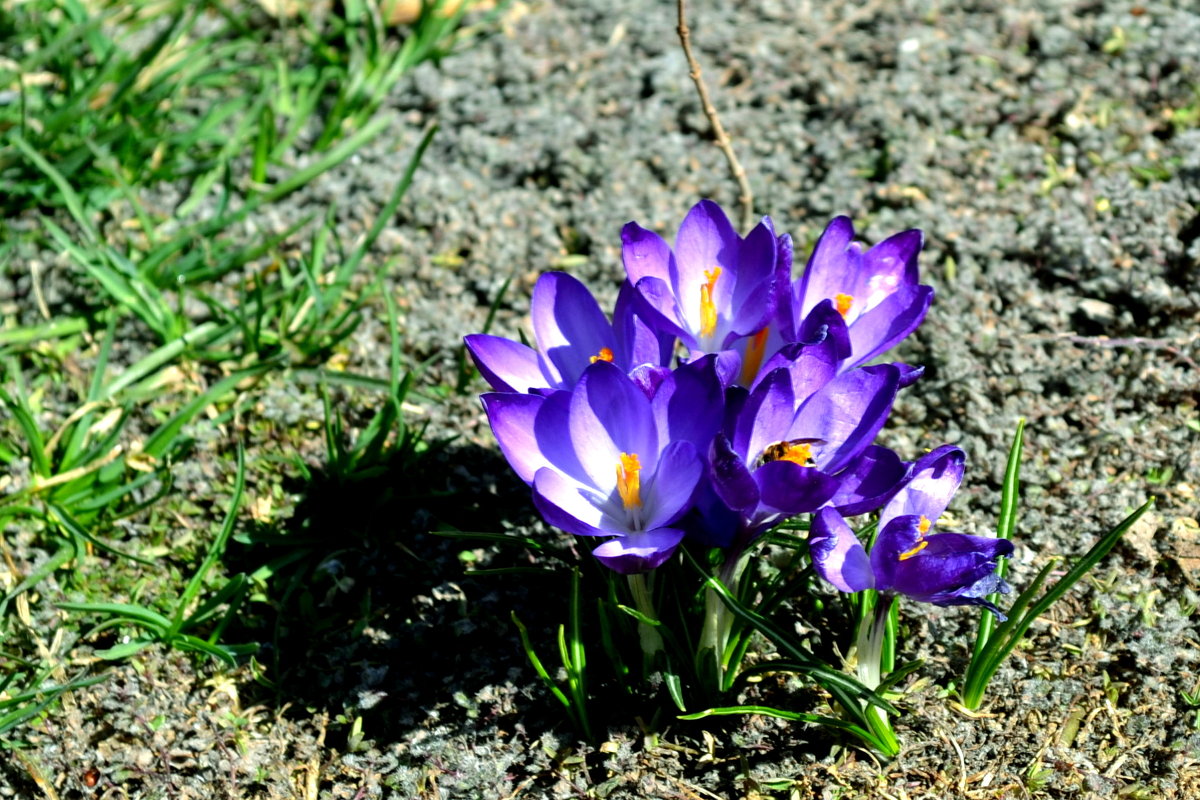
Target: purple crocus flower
x,y
875,291
606,459
907,558
715,287
571,332
785,445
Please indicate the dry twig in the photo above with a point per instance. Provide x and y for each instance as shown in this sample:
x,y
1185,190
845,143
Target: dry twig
x,y
722,138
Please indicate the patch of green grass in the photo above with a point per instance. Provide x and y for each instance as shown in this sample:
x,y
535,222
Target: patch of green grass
x,y
179,316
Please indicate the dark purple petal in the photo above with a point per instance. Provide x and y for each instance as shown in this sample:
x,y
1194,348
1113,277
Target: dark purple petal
x,y
645,254
731,479
637,342
896,316
950,569
822,323
935,477
756,286
668,494
837,555
639,552
512,417
610,415
568,324
649,378
869,481
506,365
909,374
846,414
896,256
712,523
788,488
566,504
690,404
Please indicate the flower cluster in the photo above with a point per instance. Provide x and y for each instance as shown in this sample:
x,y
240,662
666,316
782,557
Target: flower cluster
x,y
724,398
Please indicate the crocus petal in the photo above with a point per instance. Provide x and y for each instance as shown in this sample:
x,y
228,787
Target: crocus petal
x,y
870,480
506,365
637,342
895,257
645,254
908,373
935,477
689,404
706,239
655,303
731,479
609,416
669,492
951,568
826,273
788,488
512,417
846,414
824,322
754,291
639,552
893,318
576,509
568,324
837,555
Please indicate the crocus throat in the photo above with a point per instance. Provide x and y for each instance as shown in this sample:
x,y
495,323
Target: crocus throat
x,y
708,309
923,527
629,484
754,356
842,303
798,454
604,355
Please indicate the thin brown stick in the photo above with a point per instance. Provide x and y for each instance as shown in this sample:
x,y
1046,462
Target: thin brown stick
x,y
744,197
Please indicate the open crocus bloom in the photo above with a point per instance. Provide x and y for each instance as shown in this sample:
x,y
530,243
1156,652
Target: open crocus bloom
x,y
571,332
908,558
606,459
875,291
715,287
795,432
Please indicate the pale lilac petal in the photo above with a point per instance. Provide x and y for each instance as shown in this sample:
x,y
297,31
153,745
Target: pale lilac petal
x,y
895,258
668,495
576,509
639,552
645,254
506,365
706,239
512,417
837,555
936,476
610,415
754,294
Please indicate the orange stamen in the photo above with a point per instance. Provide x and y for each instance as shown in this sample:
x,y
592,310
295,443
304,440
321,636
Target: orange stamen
x,y
708,310
629,484
842,303
921,545
604,355
924,525
754,356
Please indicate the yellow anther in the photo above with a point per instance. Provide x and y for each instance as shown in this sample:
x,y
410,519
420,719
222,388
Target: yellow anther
x,y
708,309
604,355
754,356
924,525
907,554
629,484
842,303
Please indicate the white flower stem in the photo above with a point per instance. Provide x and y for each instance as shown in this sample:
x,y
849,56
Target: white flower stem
x,y
643,600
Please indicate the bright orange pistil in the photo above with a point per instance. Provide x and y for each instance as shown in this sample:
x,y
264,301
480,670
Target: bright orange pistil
x,y
629,484
604,355
708,310
842,303
923,527
754,356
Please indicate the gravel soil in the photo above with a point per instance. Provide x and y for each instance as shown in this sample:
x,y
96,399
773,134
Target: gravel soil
x,y
1050,150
